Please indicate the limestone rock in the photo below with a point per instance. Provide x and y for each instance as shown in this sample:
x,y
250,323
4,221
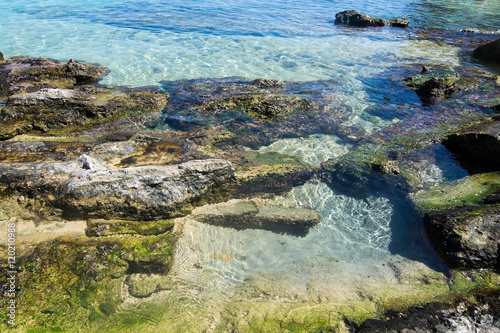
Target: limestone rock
x,y
144,192
51,108
27,74
86,188
246,214
466,237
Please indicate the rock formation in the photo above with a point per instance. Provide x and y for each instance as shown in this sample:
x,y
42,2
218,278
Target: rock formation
x,y
489,51
355,19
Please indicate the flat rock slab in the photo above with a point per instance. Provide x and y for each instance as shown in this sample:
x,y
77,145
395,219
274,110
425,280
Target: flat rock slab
x,y
86,188
246,214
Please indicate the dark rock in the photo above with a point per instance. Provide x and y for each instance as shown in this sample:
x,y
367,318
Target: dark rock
x,y
466,237
355,19
492,199
434,86
246,214
463,315
489,51
399,22
388,168
478,147
1,56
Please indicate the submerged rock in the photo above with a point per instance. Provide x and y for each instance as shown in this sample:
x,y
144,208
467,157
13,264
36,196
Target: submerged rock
x,y
489,52
246,214
355,19
466,237
434,86
477,147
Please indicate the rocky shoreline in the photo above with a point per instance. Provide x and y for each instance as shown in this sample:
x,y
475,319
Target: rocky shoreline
x,y
98,158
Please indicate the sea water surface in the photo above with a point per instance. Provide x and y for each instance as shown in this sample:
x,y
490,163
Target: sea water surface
x,y
150,42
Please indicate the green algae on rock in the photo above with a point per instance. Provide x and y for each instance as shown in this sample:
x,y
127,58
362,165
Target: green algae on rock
x,y
43,95
466,237
467,191
72,285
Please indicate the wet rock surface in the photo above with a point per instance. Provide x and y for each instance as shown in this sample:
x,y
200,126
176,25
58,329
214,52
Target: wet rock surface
x,y
477,147
482,315
87,188
489,52
434,86
243,214
126,180
43,95
466,237
22,74
258,112
355,19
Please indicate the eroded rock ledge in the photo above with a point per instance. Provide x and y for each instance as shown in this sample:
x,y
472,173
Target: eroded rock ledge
x,y
86,188
43,95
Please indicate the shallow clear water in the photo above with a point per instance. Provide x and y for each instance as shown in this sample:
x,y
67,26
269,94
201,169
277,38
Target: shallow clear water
x,y
149,42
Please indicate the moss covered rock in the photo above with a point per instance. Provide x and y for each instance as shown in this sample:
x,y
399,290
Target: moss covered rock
x,y
466,237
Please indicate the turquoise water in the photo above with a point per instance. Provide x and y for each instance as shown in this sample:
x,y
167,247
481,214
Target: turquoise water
x,y
151,42
144,42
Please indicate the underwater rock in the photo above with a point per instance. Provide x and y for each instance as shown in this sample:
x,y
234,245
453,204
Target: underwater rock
x,y
477,147
355,19
387,167
246,214
489,51
86,188
466,236
1,56
434,86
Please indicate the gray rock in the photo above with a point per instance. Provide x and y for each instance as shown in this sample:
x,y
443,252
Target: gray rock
x,y
86,188
245,214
